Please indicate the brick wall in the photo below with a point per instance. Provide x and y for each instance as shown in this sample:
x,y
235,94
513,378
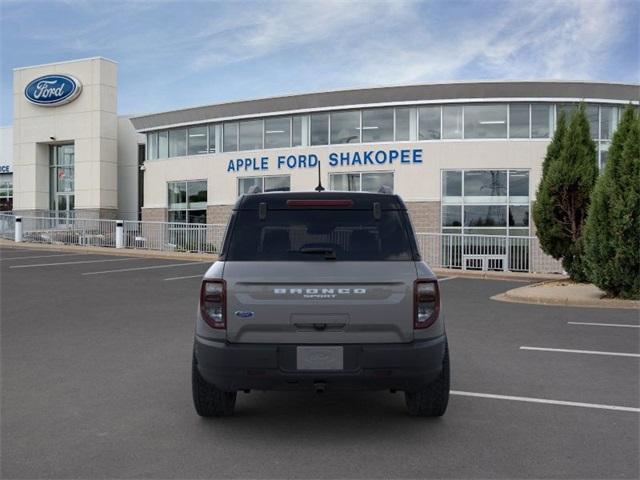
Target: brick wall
x,y
154,214
219,213
425,216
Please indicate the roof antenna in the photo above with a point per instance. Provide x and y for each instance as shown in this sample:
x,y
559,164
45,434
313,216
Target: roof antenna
x,y
319,188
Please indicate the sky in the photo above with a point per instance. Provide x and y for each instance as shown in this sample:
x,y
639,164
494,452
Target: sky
x,y
176,54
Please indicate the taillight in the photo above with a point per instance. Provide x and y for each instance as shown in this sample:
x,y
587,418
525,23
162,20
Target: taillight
x,y
213,303
426,303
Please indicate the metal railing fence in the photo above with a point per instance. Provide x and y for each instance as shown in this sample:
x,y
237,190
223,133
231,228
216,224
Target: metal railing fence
x,y
7,226
486,252
439,250
167,236
69,231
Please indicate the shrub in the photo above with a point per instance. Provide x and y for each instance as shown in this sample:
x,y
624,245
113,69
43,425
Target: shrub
x,y
612,233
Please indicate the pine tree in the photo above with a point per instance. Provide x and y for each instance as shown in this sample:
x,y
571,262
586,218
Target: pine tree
x,y
563,198
612,233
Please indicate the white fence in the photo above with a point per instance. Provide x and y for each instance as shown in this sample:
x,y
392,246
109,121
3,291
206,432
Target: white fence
x,y
184,237
162,236
486,252
7,226
439,250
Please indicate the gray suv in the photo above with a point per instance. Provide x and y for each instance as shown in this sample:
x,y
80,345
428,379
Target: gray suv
x,y
320,291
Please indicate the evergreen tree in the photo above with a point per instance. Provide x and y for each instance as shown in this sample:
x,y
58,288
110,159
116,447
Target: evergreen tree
x,y
612,233
563,197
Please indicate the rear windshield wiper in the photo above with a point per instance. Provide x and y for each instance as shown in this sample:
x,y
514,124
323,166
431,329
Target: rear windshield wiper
x,y
329,253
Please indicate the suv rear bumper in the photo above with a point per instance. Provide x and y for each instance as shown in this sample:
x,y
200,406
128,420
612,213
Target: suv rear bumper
x,y
404,366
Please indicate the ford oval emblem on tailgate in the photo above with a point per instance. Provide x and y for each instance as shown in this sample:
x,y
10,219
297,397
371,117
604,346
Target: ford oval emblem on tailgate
x,y
244,314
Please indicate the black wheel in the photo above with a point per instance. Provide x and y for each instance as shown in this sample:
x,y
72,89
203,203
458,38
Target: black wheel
x,y
207,399
432,400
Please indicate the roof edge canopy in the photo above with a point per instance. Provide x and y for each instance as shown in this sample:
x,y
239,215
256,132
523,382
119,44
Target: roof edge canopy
x,y
395,94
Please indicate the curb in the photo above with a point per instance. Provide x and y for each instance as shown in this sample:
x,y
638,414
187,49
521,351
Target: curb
x,y
124,252
515,296
510,276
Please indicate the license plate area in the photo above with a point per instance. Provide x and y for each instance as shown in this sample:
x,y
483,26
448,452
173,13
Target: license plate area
x,y
320,358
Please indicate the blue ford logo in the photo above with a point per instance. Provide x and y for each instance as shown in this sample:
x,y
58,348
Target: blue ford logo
x,y
244,314
53,90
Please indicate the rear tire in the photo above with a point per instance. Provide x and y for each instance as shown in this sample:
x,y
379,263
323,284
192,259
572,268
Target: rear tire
x,y
208,400
432,400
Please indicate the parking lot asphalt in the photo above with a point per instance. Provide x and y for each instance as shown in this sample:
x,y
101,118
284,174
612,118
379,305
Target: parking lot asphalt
x,y
95,380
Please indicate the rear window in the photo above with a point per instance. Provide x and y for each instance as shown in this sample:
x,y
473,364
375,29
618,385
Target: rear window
x,y
319,235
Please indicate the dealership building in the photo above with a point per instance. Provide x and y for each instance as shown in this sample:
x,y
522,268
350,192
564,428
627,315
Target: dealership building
x,y
466,157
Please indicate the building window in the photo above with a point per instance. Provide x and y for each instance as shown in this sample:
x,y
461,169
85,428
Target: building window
x,y
276,183
377,125
452,185
519,120
429,123
212,138
61,179
188,201
163,144
296,131
320,129
541,120
6,192
197,140
608,122
592,113
345,127
178,142
251,135
277,132
485,121
487,202
230,137
152,146
361,182
452,121
403,124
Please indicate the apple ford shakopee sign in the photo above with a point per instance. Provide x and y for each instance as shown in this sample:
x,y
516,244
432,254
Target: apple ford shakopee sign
x,y
53,90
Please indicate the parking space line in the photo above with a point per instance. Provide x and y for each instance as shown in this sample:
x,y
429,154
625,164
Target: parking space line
x,y
74,263
605,324
589,352
152,267
183,278
42,256
546,401
446,278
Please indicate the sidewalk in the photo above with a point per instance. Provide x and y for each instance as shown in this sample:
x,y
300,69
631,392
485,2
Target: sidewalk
x,y
127,252
564,292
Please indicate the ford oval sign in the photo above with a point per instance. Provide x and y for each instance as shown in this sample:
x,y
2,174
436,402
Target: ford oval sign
x,y
53,90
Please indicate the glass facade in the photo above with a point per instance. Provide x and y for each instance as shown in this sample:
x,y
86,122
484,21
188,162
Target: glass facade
x,y
6,192
485,121
62,179
277,132
187,201
403,124
345,127
487,202
377,125
276,183
384,124
360,181
429,123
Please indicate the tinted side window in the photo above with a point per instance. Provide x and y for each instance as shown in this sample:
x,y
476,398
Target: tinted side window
x,y
307,235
